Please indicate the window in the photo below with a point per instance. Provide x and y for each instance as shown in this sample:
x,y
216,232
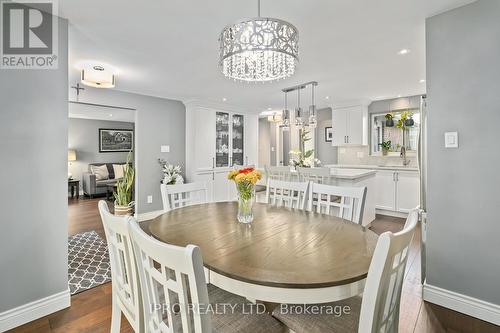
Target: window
x,y
380,132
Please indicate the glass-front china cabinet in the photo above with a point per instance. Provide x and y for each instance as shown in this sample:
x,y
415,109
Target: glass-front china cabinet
x,y
229,140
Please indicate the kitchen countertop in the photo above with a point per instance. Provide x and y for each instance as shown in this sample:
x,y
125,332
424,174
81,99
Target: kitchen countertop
x,y
344,173
372,167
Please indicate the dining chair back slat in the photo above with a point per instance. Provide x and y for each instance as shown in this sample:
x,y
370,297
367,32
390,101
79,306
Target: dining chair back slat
x,y
288,194
181,195
282,173
126,296
344,202
316,175
173,285
382,295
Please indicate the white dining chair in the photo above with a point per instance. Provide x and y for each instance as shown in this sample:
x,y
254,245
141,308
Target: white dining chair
x,y
288,194
278,173
126,292
180,195
378,309
344,202
177,298
316,175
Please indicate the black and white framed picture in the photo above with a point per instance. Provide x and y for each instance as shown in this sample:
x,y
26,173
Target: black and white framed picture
x,y
328,134
115,140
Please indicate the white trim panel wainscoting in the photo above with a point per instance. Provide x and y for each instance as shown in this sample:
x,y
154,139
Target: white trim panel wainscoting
x,y
149,215
465,304
34,310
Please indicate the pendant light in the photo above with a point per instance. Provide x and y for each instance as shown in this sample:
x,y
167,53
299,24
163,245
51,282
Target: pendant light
x,y
259,49
285,125
313,122
299,122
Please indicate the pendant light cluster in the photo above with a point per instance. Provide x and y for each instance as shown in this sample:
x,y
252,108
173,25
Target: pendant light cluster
x,y
260,49
302,118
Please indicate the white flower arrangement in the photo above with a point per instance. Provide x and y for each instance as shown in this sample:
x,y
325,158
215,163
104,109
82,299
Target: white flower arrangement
x,y
307,160
171,174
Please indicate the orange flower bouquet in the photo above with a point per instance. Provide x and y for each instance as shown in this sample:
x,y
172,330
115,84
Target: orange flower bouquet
x,y
245,180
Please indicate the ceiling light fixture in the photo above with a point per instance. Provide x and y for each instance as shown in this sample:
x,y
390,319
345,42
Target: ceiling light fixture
x,y
259,49
422,81
224,99
97,76
285,116
312,110
403,51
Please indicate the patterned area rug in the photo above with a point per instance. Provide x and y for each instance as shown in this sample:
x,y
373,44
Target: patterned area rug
x,y
88,262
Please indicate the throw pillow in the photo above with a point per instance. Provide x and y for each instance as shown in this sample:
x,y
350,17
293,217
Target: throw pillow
x,y
100,172
118,170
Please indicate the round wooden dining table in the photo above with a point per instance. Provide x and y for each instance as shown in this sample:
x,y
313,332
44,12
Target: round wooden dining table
x,y
283,256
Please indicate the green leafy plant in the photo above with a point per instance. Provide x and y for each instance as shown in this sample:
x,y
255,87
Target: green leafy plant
x,y
386,145
303,157
389,116
406,115
124,187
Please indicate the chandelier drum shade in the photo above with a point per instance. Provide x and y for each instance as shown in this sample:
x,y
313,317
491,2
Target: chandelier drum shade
x,y
259,49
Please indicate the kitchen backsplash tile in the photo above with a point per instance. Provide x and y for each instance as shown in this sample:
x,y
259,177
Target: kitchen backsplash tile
x,y
353,155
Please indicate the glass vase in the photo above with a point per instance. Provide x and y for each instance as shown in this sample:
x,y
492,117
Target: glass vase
x,y
245,205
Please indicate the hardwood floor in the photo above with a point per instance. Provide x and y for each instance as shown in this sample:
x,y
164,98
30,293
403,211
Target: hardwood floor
x,y
90,310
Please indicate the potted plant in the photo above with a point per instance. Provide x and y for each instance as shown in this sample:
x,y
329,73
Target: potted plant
x,y
407,117
386,146
124,187
389,121
171,174
303,158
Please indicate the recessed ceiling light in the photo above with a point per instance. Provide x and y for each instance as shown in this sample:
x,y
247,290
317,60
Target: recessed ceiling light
x,y
327,97
269,109
111,115
403,51
224,99
422,81
399,96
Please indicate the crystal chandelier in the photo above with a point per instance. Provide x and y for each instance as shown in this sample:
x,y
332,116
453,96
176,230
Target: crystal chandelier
x,y
259,49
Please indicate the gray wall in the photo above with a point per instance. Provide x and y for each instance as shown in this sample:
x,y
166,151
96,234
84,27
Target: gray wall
x,y
33,202
463,87
158,122
325,152
83,136
264,142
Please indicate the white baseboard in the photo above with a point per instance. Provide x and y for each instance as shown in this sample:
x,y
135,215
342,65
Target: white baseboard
x,y
148,216
392,213
465,304
28,312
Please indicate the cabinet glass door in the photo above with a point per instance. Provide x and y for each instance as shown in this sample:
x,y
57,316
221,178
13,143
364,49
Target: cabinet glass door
x,y
222,139
237,147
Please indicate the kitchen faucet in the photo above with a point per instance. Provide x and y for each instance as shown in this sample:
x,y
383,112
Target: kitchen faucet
x,y
403,156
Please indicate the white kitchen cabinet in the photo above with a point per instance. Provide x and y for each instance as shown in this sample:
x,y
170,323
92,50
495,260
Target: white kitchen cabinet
x,y
408,191
397,191
350,125
386,190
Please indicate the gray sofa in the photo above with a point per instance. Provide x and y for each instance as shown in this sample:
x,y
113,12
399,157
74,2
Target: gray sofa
x,y
91,186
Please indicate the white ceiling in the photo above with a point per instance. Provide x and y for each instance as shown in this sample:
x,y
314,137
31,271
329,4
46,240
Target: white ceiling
x,y
170,48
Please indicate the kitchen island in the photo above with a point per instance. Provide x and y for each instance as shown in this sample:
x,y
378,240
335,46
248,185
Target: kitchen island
x,y
358,178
